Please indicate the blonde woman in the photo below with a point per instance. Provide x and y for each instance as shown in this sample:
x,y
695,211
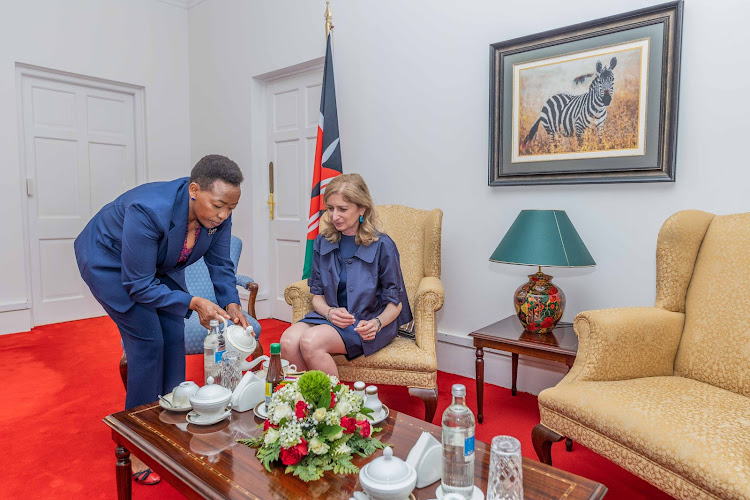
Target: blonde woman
x,y
359,298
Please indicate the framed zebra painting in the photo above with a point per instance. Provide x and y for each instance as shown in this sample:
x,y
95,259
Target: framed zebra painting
x,y
591,103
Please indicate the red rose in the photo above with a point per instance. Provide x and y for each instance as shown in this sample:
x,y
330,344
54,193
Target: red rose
x,y
349,424
364,428
267,424
290,456
300,410
333,400
278,387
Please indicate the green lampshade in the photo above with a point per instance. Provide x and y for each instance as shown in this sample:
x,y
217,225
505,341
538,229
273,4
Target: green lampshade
x,y
543,238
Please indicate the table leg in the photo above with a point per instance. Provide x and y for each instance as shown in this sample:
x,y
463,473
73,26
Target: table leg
x,y
480,384
124,472
568,444
515,373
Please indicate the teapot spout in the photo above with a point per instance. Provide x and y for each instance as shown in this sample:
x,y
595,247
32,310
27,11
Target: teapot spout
x,y
249,365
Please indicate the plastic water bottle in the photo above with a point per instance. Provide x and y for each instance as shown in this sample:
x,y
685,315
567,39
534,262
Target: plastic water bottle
x,y
211,368
458,446
220,350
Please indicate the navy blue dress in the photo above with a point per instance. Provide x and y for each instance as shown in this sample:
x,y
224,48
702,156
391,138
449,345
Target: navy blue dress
x,y
352,340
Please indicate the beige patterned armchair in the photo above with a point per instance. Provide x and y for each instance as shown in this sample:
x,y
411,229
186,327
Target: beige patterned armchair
x,y
405,362
664,391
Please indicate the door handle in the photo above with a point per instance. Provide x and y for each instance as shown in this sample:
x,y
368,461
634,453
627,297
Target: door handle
x,y
270,201
29,186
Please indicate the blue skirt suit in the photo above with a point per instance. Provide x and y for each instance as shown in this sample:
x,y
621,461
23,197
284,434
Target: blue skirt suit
x,y
364,279
129,256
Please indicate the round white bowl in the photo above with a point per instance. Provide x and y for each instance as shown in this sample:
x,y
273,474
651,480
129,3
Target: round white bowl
x,y
210,400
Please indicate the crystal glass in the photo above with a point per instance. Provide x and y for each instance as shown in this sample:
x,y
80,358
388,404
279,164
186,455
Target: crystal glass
x,y
231,369
506,472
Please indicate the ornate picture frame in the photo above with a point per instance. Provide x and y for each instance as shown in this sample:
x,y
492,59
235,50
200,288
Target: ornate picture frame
x,y
595,102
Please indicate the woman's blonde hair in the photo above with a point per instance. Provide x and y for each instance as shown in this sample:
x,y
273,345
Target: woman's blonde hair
x,y
353,189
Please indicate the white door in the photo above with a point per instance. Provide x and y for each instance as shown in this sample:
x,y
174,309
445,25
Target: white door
x,y
79,153
293,108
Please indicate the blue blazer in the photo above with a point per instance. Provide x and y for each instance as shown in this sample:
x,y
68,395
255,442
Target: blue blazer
x,y
136,239
374,279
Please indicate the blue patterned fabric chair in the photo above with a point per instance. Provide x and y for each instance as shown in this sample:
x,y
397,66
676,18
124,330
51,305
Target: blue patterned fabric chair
x,y
199,284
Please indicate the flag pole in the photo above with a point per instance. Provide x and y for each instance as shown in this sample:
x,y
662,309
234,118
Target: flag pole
x,y
329,18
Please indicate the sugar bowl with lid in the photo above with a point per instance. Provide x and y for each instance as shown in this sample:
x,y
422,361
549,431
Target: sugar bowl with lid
x,y
210,400
388,477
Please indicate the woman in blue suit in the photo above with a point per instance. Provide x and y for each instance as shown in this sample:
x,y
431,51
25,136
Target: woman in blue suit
x,y
132,254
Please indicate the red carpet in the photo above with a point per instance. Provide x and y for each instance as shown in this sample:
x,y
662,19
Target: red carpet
x,y
67,373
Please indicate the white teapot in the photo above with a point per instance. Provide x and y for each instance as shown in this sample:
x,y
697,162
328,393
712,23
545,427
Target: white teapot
x,y
388,477
243,340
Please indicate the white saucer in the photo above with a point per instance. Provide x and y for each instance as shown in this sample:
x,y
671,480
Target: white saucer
x,y
168,397
194,418
260,410
376,419
477,495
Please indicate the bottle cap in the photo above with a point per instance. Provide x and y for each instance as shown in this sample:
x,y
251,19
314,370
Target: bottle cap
x,y
371,389
213,322
275,348
359,386
458,390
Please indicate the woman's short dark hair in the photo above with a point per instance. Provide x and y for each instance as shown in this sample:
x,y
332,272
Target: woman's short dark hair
x,y
215,167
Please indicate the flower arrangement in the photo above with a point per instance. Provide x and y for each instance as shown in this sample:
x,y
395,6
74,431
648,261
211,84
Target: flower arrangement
x,y
315,424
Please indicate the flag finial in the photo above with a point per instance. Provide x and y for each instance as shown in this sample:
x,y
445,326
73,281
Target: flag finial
x,y
329,18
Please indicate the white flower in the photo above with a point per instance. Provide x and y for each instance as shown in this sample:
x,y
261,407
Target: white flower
x,y
318,447
342,449
360,416
320,414
336,436
343,407
298,397
272,435
281,411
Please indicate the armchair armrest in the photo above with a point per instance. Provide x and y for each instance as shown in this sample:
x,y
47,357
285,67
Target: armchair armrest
x,y
429,299
625,343
299,297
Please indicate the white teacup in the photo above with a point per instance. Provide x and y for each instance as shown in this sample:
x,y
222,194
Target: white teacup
x,y
285,366
181,394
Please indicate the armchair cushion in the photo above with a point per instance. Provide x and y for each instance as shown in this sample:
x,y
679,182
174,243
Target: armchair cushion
x,y
625,343
199,284
665,428
715,346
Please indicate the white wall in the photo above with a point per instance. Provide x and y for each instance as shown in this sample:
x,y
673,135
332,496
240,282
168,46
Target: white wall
x,y
140,42
412,84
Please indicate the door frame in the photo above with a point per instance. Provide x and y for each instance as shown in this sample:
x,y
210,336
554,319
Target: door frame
x,y
260,216
141,171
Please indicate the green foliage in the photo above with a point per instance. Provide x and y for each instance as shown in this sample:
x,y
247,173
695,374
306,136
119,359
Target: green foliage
x,y
251,442
313,385
365,411
344,465
268,454
329,430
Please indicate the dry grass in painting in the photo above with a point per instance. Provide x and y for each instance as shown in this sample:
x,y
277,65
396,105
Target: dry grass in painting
x,y
619,131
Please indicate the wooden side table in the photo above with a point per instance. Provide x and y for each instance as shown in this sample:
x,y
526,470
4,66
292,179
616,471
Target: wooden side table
x,y
509,335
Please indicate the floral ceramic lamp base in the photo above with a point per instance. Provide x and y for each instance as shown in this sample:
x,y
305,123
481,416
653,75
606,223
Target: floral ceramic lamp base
x,y
539,303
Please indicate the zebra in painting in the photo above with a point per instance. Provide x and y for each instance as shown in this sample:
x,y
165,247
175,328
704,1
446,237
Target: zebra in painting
x,y
566,114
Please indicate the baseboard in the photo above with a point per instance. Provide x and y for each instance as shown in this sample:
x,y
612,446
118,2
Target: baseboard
x,y
15,321
456,354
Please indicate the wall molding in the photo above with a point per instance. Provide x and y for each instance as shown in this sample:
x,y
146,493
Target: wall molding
x,y
184,4
14,306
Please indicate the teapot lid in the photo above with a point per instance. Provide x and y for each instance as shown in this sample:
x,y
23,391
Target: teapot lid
x,y
211,392
240,338
386,470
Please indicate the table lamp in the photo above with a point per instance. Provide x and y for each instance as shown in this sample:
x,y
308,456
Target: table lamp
x,y
541,238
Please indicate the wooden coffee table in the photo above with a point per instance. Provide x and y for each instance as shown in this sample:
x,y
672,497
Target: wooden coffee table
x,y
509,335
206,462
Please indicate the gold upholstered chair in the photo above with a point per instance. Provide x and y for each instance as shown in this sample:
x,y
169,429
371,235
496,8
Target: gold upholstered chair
x,y
405,362
664,391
